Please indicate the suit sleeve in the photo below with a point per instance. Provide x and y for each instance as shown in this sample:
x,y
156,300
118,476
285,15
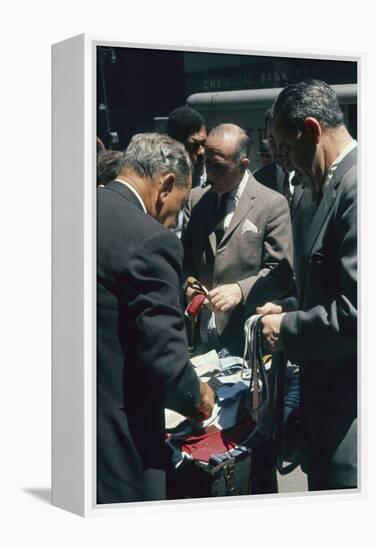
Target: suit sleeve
x,y
329,330
160,346
274,281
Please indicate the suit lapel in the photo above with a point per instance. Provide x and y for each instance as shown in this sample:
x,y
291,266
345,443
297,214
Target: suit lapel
x,y
125,192
296,198
243,208
325,207
209,220
279,179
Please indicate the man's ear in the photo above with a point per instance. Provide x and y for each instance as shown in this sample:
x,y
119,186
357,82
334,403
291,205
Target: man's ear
x,y
166,184
312,124
245,163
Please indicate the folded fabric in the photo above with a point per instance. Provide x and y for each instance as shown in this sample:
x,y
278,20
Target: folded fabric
x,y
230,362
228,414
173,419
207,363
231,391
215,441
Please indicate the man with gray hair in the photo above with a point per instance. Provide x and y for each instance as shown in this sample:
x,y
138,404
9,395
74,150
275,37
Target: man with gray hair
x,y
319,331
142,352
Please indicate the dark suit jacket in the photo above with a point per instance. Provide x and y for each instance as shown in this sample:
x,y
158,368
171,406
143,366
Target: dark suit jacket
x,y
303,209
142,357
271,175
322,335
255,252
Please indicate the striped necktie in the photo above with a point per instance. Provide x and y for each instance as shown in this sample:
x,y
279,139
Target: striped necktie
x,y
286,188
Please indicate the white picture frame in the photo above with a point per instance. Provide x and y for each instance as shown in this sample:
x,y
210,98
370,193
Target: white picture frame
x,y
74,272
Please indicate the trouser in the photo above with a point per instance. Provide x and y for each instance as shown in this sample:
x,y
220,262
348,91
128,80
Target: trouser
x,y
319,481
264,472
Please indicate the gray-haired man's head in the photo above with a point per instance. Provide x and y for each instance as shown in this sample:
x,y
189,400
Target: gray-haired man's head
x,y
151,154
159,169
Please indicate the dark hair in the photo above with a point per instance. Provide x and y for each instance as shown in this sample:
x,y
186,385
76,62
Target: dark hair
x,y
268,116
264,148
108,166
151,154
183,122
312,98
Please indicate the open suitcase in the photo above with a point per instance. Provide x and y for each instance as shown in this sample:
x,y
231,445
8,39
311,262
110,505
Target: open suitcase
x,y
229,472
197,480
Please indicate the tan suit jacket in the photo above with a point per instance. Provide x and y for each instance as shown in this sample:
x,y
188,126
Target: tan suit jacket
x,y
255,252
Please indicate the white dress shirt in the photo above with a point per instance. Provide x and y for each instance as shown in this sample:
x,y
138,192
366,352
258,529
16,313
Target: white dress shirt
x,y
334,165
134,192
233,199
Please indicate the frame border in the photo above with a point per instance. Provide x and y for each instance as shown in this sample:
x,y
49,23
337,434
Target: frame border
x,y
74,278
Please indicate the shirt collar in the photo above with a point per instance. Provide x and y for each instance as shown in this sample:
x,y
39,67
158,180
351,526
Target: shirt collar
x,y
237,193
334,165
134,192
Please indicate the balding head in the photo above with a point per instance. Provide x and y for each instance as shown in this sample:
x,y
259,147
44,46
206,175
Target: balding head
x,y
234,136
227,151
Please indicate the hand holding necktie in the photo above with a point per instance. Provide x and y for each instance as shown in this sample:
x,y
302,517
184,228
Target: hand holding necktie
x,y
271,325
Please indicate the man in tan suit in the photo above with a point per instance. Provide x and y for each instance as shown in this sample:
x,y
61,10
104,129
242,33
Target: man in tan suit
x,y
237,240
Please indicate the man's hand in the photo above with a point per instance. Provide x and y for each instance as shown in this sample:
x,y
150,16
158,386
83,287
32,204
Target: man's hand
x,y
271,325
206,404
225,297
189,293
268,309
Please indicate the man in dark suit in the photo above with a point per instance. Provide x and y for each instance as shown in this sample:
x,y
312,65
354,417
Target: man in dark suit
x,y
237,239
263,155
273,174
282,177
142,352
321,335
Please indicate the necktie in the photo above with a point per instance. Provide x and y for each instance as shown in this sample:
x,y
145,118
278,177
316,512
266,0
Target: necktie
x,y
220,218
286,187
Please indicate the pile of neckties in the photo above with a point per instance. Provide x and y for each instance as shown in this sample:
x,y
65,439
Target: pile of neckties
x,y
229,431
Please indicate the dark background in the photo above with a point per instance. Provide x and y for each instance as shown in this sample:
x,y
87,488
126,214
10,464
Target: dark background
x,y
135,85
